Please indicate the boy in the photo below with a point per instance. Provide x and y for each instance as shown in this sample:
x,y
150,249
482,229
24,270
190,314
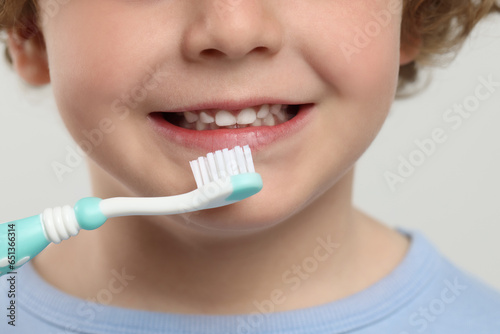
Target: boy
x,y
167,81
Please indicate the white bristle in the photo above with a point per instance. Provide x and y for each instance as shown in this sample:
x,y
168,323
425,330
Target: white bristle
x,y
233,163
227,161
240,159
212,166
249,159
196,172
204,171
221,163
221,168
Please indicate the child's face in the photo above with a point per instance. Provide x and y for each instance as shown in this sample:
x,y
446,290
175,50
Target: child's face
x,y
224,54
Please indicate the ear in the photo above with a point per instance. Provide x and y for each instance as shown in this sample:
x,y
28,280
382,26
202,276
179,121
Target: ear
x,y
29,58
409,51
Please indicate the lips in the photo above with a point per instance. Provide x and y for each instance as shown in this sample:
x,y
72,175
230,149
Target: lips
x,y
212,129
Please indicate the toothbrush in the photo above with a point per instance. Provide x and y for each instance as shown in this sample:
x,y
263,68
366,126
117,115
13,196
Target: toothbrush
x,y
222,177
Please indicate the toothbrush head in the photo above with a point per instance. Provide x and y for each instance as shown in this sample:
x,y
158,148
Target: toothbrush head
x,y
223,177
235,164
219,164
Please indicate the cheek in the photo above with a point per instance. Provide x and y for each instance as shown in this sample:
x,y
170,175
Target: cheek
x,y
357,57
353,46
356,52
94,67
97,54
81,66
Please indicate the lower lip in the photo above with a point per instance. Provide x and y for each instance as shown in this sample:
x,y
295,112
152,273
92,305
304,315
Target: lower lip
x,y
257,137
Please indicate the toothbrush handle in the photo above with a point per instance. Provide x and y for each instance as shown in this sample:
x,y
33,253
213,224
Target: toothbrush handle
x,y
20,241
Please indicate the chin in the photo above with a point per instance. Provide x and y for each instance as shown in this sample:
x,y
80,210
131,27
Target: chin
x,y
248,216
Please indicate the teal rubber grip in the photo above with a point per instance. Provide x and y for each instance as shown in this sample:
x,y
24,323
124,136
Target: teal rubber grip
x,y
20,241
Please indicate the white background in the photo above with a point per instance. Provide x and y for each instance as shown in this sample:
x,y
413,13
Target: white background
x,y
453,197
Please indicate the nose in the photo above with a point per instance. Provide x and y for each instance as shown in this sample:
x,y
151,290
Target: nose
x,y
231,29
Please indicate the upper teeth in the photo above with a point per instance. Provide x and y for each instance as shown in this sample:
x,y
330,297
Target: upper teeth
x,y
264,115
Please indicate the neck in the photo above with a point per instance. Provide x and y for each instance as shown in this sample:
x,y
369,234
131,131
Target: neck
x,y
323,253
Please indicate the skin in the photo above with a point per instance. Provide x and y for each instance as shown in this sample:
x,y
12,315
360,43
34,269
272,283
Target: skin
x,y
219,261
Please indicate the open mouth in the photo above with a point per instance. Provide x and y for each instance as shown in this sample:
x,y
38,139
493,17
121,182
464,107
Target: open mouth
x,y
213,119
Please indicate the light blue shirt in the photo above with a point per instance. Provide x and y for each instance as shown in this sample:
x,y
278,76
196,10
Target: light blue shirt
x,y
424,294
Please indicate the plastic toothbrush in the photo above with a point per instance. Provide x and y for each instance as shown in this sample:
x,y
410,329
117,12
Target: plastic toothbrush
x,y
222,177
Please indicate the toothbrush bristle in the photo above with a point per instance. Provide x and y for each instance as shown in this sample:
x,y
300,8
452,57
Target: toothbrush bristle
x,y
222,163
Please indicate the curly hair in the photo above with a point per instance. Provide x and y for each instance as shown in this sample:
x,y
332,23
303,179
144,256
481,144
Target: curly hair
x,y
439,26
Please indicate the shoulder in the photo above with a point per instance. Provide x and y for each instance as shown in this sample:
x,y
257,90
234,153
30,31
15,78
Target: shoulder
x,y
455,301
471,302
